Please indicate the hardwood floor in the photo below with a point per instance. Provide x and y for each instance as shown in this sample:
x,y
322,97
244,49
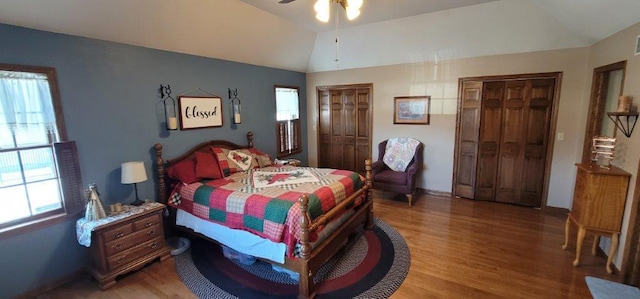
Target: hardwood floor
x,y
459,248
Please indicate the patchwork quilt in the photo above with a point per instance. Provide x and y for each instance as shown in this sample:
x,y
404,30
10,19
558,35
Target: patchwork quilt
x,y
264,201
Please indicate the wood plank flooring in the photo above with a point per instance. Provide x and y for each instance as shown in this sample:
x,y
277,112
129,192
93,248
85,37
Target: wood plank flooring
x,y
459,248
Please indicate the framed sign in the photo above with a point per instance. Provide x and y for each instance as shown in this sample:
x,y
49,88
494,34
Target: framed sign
x,y
200,112
411,110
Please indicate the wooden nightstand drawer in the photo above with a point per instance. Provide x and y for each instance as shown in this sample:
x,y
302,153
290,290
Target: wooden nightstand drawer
x,y
147,222
134,253
124,243
117,232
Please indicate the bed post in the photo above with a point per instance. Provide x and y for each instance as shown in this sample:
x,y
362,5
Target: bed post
x,y
250,139
369,195
162,189
306,277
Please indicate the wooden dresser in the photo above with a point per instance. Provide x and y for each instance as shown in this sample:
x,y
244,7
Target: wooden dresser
x,y
127,244
598,206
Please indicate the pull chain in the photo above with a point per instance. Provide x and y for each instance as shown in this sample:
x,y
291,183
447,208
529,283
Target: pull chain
x,y
337,39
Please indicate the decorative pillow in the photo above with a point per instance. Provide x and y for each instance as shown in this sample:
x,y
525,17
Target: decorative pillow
x,y
241,158
226,167
261,159
207,166
184,171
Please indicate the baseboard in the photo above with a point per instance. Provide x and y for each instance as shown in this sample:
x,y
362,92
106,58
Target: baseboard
x,y
556,211
434,192
41,290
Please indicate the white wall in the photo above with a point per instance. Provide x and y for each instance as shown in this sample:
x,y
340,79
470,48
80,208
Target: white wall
x,y
440,81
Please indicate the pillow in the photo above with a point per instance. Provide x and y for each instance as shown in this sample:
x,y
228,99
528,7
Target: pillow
x,y
262,159
184,171
241,158
226,167
207,166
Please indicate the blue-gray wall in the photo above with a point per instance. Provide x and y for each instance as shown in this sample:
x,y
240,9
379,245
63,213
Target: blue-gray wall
x,y
111,109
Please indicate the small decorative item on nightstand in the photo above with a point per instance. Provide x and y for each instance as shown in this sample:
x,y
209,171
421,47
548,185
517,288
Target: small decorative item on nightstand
x,y
94,209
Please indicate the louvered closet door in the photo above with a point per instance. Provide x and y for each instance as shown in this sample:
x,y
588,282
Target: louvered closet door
x,y
525,132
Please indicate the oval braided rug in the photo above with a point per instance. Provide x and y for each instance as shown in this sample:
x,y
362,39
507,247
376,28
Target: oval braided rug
x,y
372,265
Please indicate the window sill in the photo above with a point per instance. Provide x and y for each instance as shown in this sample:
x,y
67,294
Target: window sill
x,y
35,225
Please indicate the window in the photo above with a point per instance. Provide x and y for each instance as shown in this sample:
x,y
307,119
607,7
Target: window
x,y
32,157
288,121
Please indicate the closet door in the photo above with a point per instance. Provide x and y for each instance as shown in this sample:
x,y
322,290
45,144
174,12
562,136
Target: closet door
x,y
336,150
363,128
467,139
324,128
348,131
523,146
344,139
490,132
503,138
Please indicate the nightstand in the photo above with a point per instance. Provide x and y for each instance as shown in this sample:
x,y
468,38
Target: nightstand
x,y
126,242
291,162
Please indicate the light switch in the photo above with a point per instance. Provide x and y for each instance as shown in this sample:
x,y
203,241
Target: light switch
x,y
560,136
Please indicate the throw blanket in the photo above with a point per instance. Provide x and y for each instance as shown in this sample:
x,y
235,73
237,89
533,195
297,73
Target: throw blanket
x,y
271,212
399,152
263,179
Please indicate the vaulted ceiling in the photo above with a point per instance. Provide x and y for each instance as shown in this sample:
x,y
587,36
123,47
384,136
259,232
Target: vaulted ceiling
x,y
287,36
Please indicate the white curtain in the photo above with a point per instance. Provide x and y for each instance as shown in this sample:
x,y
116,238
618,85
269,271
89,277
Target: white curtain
x,y
287,104
27,116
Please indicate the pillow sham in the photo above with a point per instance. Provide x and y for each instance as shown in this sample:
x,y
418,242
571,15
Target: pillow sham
x,y
262,159
207,166
241,158
226,167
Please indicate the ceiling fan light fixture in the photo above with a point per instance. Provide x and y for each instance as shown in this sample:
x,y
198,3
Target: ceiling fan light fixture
x,y
322,10
352,13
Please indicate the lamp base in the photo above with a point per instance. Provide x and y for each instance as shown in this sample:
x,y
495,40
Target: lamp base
x,y
137,202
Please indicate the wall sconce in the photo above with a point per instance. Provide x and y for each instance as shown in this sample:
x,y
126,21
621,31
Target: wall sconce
x,y
170,112
235,106
625,112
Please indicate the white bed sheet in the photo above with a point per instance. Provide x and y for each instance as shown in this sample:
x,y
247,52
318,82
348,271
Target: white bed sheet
x,y
239,240
246,242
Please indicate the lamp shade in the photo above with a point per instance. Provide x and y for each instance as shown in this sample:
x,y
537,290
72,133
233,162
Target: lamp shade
x,y
133,172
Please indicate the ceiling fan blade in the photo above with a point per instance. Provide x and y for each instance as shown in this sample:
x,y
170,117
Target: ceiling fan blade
x,y
286,1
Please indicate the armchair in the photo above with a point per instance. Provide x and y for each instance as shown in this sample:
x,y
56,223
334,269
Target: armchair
x,y
386,179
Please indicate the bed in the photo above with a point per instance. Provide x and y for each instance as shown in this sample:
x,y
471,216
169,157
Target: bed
x,y
300,239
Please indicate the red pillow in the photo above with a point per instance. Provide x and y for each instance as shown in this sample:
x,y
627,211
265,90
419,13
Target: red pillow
x,y
207,166
184,171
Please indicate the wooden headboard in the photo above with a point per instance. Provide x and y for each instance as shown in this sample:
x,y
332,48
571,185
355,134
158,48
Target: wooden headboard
x,y
165,183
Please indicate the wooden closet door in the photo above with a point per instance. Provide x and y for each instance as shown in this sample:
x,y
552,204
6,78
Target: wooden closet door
x,y
363,128
336,150
324,128
348,130
467,141
490,132
525,131
537,130
344,126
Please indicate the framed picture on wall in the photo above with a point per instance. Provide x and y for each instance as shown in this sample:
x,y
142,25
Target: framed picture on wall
x,y
200,112
411,110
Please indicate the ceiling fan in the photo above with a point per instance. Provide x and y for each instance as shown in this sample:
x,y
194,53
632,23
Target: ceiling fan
x,y
322,8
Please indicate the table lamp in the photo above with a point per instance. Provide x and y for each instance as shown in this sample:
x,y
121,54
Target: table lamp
x,y
133,173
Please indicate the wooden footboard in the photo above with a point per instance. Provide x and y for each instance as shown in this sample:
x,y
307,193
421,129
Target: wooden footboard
x,y
311,259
